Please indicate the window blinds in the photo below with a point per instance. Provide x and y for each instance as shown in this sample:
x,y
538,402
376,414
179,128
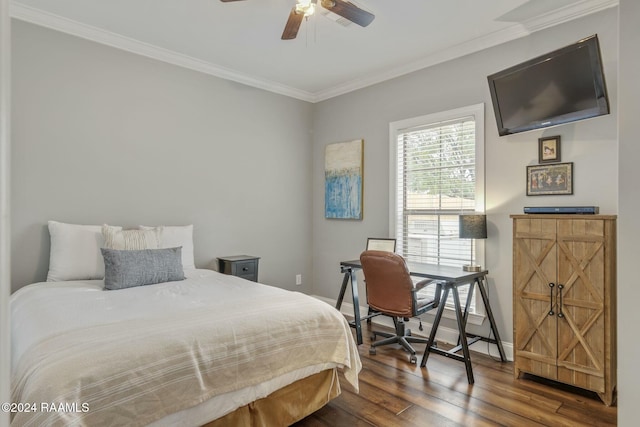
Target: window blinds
x,y
436,182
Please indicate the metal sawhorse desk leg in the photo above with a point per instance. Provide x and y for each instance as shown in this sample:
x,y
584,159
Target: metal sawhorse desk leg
x,y
461,320
350,275
485,300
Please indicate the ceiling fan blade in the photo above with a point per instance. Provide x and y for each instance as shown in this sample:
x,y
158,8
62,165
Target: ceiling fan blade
x,y
349,11
293,24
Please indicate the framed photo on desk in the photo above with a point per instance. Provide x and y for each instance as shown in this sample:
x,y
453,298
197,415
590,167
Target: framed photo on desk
x,y
381,244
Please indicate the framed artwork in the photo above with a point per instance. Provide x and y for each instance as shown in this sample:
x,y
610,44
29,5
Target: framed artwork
x,y
549,149
343,180
555,179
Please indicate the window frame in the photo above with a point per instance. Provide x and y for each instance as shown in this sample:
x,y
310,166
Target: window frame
x,y
400,126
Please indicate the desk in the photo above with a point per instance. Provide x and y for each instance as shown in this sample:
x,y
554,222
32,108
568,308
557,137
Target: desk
x,y
451,278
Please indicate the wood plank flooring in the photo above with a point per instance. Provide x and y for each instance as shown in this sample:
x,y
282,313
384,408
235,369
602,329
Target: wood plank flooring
x,y
394,392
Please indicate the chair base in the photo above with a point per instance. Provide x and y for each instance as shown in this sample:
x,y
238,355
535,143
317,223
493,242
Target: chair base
x,y
402,337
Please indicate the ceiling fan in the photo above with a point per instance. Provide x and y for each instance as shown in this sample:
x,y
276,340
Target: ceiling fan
x,y
306,8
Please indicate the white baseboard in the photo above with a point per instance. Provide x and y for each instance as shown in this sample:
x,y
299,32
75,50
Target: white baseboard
x,y
444,334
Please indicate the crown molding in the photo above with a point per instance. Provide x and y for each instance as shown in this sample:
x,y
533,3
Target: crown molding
x,y
568,13
88,32
444,55
512,32
515,31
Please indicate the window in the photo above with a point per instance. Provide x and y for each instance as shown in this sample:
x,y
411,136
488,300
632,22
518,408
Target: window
x,y
437,174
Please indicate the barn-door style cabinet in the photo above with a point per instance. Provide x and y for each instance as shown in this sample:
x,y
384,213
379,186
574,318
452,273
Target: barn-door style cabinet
x,y
564,295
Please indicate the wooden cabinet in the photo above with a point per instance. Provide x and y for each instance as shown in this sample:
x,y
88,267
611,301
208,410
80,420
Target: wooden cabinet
x,y
244,266
564,295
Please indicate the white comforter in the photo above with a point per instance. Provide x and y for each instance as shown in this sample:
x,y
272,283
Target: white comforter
x,y
133,356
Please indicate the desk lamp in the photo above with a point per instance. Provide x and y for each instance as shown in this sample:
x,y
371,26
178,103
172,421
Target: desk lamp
x,y
472,227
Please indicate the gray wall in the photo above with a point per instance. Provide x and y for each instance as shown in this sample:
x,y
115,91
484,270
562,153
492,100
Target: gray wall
x,y
100,135
590,144
628,228
5,226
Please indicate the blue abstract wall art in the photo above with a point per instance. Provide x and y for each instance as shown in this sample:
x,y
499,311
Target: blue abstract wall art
x,y
343,173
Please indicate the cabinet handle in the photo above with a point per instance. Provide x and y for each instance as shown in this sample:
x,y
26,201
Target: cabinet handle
x,y
245,268
560,288
551,285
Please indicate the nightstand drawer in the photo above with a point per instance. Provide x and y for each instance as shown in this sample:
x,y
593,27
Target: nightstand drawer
x,y
244,266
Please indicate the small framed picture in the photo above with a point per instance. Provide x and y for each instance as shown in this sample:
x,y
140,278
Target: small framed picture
x,y
555,179
549,149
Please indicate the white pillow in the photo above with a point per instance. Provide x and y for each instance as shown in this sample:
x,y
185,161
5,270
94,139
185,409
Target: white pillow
x,y
75,252
117,238
174,236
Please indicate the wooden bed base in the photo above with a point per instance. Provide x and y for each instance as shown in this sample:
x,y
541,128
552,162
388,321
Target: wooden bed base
x,y
286,406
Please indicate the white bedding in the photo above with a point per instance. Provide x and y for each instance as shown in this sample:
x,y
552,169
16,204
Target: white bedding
x,y
218,338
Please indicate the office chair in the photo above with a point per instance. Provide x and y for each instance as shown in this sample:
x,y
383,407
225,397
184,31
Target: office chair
x,y
391,292
379,244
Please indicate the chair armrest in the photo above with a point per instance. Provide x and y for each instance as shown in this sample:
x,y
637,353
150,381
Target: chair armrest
x,y
421,284
437,295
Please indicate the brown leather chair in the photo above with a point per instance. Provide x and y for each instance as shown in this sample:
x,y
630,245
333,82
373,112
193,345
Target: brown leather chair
x,y
391,292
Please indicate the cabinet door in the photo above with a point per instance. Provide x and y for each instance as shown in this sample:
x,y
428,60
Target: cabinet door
x,y
581,327
534,268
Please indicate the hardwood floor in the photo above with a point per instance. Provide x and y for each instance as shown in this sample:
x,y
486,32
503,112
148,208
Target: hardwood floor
x,y
394,392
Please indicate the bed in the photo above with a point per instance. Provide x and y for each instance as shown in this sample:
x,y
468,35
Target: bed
x,y
212,348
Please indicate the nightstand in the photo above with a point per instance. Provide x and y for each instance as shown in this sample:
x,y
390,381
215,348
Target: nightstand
x,y
244,266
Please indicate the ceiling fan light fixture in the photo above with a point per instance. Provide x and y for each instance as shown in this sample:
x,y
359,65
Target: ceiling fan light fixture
x,y
307,7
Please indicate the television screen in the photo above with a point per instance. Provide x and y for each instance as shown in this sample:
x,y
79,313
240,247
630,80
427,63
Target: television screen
x,y
560,87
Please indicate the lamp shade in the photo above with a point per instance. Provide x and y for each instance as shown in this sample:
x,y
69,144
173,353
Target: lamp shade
x,y
473,227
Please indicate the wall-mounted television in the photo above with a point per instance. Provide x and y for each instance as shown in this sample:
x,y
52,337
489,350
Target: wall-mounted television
x,y
562,86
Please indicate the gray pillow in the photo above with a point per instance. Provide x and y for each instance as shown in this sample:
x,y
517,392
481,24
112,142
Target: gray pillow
x,y
129,268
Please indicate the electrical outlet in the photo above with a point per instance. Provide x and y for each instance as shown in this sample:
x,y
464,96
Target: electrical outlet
x,y
298,279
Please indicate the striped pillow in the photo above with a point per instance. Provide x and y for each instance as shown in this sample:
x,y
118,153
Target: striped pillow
x,y
116,238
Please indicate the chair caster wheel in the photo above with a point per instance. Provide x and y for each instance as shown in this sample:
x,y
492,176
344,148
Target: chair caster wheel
x,y
373,337
372,350
413,359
